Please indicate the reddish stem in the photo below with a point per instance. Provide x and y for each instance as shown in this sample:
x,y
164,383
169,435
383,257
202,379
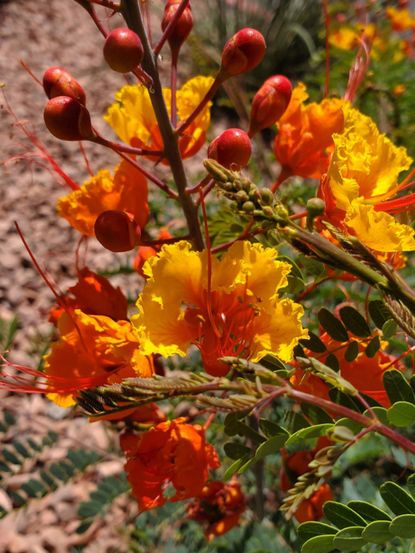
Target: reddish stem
x,y
208,96
83,152
173,81
158,182
169,29
117,147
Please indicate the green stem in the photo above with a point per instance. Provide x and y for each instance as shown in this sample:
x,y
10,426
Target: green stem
x,y
132,14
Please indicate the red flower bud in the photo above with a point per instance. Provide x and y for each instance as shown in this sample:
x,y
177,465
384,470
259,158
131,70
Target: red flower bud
x,y
58,82
243,52
269,103
68,119
183,25
232,148
123,50
117,231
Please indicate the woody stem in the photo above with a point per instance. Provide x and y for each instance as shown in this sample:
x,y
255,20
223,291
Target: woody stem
x,y
133,16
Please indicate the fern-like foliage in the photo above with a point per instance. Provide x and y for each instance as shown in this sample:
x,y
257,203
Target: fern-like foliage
x,y
49,478
108,489
357,524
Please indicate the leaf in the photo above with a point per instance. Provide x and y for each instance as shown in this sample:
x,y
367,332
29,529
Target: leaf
x,y
11,457
411,485
368,511
402,414
306,435
313,343
403,526
315,414
270,428
379,312
397,387
318,544
351,352
89,509
235,450
332,325
234,426
271,446
333,362
349,539
380,412
397,499
373,347
233,468
354,321
342,515
354,426
377,532
310,529
389,329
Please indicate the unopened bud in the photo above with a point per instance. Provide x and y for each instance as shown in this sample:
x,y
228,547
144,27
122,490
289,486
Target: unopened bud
x,y
242,52
58,82
267,197
269,103
241,196
68,119
268,211
315,207
248,207
117,231
232,149
123,50
182,27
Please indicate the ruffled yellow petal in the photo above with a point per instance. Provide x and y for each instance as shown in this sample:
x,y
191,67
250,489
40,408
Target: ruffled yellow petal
x,y
278,329
378,230
190,95
365,163
132,117
176,277
126,190
62,400
253,266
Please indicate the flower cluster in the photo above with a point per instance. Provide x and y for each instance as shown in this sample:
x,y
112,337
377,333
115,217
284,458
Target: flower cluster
x,y
220,303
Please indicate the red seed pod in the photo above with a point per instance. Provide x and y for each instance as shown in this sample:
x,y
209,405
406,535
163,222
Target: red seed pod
x,y
123,50
68,119
183,25
58,82
117,231
232,149
269,103
243,52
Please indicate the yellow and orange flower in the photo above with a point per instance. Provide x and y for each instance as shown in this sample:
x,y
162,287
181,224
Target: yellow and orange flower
x,y
93,294
238,313
132,117
360,182
219,507
91,351
172,452
401,19
304,140
126,190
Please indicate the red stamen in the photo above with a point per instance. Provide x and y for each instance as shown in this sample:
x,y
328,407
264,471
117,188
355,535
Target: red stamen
x,y
44,153
209,263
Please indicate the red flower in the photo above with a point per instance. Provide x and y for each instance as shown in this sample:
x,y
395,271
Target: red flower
x,y
219,507
172,452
